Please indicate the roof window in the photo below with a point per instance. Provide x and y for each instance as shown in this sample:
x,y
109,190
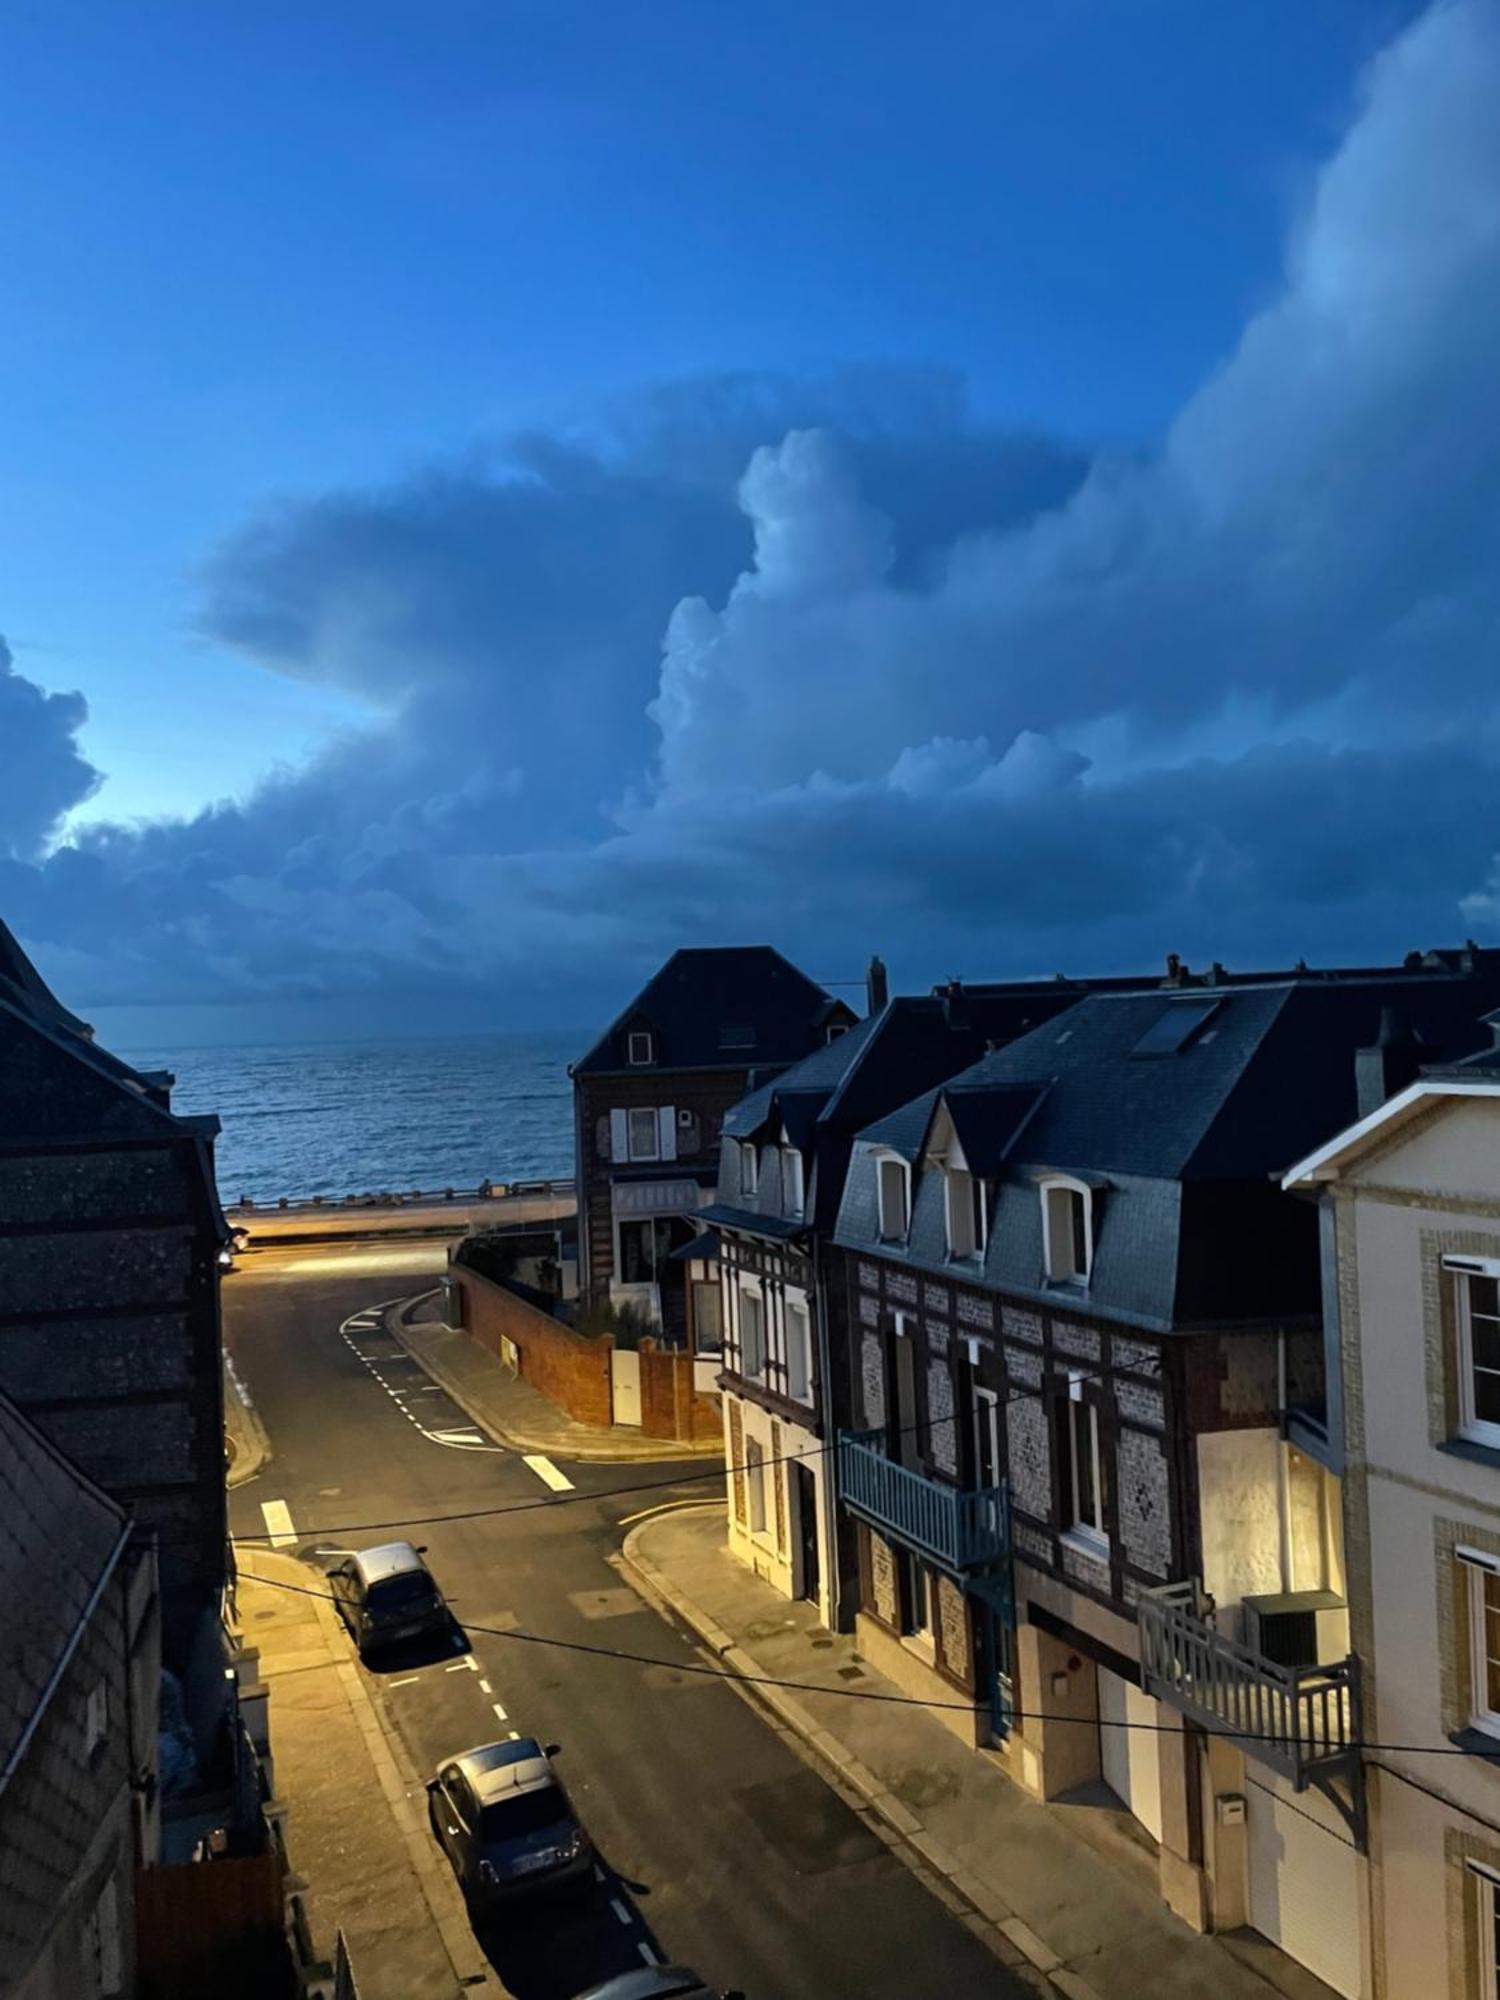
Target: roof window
x,y
1175,1026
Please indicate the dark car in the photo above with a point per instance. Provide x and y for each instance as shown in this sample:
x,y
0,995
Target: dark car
x,y
503,1819
386,1595
658,1982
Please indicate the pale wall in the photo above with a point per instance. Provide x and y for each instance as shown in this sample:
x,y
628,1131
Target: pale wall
x,y
1240,1514
760,1552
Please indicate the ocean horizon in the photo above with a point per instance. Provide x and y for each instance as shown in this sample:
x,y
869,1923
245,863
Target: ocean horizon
x,y
379,1115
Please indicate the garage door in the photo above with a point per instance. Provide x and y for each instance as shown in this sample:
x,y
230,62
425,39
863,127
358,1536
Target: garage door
x,y
1129,1757
1304,1884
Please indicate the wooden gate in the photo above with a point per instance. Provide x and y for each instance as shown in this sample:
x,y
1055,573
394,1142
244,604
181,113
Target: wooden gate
x,y
625,1387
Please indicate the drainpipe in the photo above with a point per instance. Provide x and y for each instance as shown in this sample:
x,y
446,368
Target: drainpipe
x,y
1283,1482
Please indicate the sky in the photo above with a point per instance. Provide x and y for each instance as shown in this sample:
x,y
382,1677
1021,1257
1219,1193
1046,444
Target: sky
x,y
493,492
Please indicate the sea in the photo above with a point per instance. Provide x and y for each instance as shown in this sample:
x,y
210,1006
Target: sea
x,y
379,1117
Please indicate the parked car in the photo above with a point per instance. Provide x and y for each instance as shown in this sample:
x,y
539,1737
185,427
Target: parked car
x,y
386,1595
503,1819
658,1982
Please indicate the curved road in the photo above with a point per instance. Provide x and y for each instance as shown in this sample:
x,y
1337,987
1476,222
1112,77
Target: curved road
x,y
723,1848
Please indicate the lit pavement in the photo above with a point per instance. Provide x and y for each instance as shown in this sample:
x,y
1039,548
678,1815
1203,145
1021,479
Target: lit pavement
x,y
721,1846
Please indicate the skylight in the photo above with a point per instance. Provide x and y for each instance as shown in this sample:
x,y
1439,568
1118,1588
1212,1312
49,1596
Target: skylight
x,y
1175,1026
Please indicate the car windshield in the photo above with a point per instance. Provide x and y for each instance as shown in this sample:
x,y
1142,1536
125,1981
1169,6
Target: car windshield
x,y
409,1591
530,1812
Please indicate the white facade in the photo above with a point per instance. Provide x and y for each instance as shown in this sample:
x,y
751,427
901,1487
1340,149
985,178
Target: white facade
x,y
1415,1198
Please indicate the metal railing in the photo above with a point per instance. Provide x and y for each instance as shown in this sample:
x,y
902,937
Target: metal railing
x,y
1302,1721
961,1530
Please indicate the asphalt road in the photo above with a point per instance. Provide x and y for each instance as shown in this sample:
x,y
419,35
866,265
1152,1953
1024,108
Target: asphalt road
x,y
721,1846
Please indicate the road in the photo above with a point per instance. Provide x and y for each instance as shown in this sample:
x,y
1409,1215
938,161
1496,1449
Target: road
x,y
722,1847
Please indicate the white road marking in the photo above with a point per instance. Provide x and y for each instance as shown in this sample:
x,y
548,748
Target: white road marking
x,y
514,1735
500,1715
598,1873
647,1953
457,1437
408,1681
467,1439
458,1667
619,1909
485,1688
548,1473
278,1519
471,1663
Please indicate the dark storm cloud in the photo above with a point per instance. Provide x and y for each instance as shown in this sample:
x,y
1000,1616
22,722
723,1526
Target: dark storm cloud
x,y
42,771
831,663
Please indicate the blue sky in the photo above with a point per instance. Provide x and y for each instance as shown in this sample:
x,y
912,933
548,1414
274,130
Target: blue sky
x,y
349,352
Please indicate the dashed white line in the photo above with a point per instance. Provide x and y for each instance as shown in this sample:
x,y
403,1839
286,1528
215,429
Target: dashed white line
x,y
514,1735
278,1519
619,1909
500,1714
547,1472
485,1688
598,1873
405,1682
650,1957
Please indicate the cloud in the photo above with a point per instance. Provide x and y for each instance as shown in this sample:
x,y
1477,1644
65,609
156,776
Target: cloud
x,y
43,774
831,662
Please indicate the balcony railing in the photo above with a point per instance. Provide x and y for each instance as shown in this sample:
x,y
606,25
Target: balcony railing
x,y
960,1530
1302,1721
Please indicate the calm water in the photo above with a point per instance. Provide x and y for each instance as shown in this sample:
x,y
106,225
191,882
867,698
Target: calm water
x,y
374,1117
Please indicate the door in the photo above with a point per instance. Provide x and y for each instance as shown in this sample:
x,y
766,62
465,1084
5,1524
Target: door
x,y
904,1411
809,1577
625,1387
1128,1748
1304,1882
986,1437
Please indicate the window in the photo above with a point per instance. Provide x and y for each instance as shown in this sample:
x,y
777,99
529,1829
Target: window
x,y
791,1183
749,1169
895,1202
1175,1026
644,1135
101,1942
708,1316
737,1035
640,1048
755,1480
752,1334
915,1608
637,1261
831,1034
1487,1930
96,1720
1482,1574
798,1352
1067,1232
1478,1308
1085,1495
966,1213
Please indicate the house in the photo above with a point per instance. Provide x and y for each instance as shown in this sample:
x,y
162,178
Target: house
x,y
1410,1207
1093,1468
80,1648
648,1102
784,1155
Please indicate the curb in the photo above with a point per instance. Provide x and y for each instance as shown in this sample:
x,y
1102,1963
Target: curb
x,y
439,1891
1026,1952
671,1452
252,1441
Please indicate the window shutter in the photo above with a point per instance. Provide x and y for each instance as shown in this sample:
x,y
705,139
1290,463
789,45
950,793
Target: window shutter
x,y
619,1136
666,1122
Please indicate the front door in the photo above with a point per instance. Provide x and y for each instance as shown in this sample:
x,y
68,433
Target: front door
x,y
986,1438
806,1488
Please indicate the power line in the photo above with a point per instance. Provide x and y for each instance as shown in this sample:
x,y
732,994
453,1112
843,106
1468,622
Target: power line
x,y
895,1699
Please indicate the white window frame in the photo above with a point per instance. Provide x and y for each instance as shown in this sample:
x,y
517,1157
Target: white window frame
x,y
1091,1535
977,1220
795,1309
791,1184
1487,1883
1477,1429
633,1040
882,1161
1479,1568
749,1167
1061,1184
751,1289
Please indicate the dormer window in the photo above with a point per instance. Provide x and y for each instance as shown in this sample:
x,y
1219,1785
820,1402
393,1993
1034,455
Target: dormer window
x,y
1067,1232
968,1221
834,1029
791,1183
894,1183
749,1170
640,1047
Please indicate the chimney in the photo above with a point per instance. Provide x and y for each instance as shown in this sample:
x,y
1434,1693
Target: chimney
x,y
1177,972
955,1004
877,989
1381,1071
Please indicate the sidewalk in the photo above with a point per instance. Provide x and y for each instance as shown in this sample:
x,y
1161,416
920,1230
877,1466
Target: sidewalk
x,y
355,1825
246,1445
1093,1929
512,1411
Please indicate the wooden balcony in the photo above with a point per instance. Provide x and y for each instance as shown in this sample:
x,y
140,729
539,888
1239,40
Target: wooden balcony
x,y
959,1530
1301,1721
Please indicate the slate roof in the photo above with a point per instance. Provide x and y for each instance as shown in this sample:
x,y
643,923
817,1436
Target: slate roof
x,y
59,1538
724,1007
24,988
1189,1226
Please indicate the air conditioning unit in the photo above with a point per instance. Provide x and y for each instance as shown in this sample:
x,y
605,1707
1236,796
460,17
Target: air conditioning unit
x,y
1297,1628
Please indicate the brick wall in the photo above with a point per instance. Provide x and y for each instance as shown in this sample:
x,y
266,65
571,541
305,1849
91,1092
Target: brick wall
x,y
670,1406
568,1368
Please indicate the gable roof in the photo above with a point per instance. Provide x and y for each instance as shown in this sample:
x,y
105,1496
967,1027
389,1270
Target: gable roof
x,y
1428,1092
24,988
60,1538
721,1007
